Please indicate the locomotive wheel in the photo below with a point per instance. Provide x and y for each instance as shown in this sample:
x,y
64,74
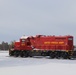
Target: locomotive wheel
x,y
30,54
52,55
21,54
25,54
64,55
16,53
57,55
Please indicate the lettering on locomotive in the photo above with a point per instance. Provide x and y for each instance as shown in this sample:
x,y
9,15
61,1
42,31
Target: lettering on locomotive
x,y
53,42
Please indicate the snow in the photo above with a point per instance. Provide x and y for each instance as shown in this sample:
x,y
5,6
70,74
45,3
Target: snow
x,y
24,37
35,66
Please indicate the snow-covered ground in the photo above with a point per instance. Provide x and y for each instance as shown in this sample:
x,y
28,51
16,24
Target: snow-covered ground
x,y
35,66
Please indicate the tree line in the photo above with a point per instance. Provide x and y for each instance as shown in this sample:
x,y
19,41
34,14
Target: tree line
x,y
6,45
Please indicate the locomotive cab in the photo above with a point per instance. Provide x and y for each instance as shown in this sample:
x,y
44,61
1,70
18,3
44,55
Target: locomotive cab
x,y
25,43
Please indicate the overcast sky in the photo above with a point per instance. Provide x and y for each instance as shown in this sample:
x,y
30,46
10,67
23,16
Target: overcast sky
x,y
31,17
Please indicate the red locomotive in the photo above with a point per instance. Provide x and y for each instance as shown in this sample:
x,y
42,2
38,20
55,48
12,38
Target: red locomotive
x,y
42,45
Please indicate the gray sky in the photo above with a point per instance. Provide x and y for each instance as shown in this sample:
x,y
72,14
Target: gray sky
x,y
31,17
